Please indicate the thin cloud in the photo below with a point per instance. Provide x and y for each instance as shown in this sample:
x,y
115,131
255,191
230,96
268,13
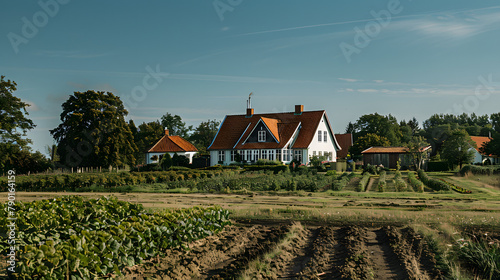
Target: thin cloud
x,y
70,54
348,80
480,17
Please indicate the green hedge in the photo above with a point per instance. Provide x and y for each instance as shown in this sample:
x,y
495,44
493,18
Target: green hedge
x,y
76,182
274,168
341,182
479,170
434,184
361,187
416,184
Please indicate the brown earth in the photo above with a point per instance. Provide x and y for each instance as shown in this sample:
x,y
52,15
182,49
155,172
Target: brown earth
x,y
316,252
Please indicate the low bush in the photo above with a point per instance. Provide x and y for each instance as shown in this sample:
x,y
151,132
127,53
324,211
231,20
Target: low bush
x,y
361,187
342,181
415,183
434,184
382,181
372,169
478,170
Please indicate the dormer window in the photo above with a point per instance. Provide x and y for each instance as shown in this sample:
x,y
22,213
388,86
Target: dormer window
x,y
262,136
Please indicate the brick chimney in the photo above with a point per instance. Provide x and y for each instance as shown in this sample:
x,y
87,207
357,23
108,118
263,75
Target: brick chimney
x,y
299,109
249,112
166,131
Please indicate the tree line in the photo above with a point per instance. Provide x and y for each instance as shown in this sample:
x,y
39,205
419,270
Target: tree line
x,y
449,135
94,133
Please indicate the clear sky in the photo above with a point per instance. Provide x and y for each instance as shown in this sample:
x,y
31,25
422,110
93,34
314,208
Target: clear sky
x,y
407,58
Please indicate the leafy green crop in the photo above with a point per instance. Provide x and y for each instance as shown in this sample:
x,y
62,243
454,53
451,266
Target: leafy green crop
x,y
87,239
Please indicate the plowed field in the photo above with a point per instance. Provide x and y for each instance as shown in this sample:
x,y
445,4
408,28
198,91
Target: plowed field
x,y
316,252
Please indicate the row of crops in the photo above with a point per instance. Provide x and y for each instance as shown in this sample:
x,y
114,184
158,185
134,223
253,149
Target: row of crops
x,y
75,182
77,238
195,180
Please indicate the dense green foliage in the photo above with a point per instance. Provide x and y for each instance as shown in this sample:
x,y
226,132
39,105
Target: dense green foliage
x,y
416,184
341,182
479,170
400,183
361,187
382,181
458,148
93,131
87,239
481,254
434,184
14,124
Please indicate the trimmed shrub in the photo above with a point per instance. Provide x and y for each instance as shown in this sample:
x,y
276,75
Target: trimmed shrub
x,y
361,187
416,184
434,184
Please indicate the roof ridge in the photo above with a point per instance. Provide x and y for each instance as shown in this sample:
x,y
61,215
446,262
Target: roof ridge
x,y
157,142
182,139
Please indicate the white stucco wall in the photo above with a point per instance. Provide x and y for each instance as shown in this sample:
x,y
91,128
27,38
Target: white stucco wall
x,y
317,146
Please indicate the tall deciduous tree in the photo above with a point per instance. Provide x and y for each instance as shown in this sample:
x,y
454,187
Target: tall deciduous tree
x,y
204,134
458,148
492,147
13,121
415,147
146,135
93,131
14,124
367,141
175,125
385,126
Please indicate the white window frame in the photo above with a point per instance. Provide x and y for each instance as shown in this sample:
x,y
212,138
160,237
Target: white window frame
x,y
278,155
222,156
264,154
271,154
297,154
261,136
325,136
320,135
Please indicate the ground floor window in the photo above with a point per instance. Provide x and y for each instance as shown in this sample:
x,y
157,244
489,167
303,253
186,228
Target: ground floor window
x,y
264,154
278,154
298,155
222,156
271,154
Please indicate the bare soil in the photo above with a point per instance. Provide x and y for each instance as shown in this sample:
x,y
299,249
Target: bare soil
x,y
317,252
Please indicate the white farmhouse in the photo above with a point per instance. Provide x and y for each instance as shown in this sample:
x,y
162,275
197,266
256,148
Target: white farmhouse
x,y
274,136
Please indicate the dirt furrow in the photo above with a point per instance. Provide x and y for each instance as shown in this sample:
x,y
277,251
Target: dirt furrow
x,y
301,254
321,262
386,263
230,270
202,256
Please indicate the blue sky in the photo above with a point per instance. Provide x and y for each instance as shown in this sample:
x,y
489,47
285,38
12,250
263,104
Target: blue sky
x,y
406,58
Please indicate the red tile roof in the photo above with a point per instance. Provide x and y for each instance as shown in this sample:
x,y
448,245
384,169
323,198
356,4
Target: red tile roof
x,y
232,134
390,150
480,141
345,142
172,144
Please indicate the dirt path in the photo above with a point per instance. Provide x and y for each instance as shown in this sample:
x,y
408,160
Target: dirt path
x,y
386,263
370,184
